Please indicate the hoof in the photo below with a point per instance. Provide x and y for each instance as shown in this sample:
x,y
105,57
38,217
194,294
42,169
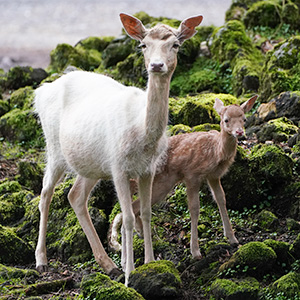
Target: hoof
x,y
42,268
115,273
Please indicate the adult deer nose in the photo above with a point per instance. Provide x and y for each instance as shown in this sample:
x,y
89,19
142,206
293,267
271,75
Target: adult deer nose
x,y
156,67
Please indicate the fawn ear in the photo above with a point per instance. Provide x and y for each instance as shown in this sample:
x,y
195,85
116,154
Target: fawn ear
x,y
133,26
249,103
187,28
218,106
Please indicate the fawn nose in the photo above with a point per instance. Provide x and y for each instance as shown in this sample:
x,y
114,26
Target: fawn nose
x,y
239,132
157,67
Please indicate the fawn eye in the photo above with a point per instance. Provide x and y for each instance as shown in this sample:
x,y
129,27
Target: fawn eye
x,y
142,46
226,120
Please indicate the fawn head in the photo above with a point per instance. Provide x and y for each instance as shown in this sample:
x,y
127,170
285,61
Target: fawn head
x,y
233,116
160,44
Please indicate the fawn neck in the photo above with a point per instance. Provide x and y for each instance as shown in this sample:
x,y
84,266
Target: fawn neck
x,y
227,145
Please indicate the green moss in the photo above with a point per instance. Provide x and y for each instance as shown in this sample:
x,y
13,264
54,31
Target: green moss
x,y
95,43
11,272
21,126
196,110
159,267
257,257
98,286
295,247
267,220
12,206
247,288
13,249
288,284
10,187
280,69
80,57
22,98
281,249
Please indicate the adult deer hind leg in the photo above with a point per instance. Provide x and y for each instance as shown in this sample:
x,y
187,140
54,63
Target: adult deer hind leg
x,y
78,198
219,196
53,174
192,190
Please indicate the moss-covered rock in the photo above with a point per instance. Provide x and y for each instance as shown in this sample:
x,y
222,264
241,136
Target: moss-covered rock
x,y
22,98
65,55
11,272
158,279
277,130
295,247
267,220
255,259
232,289
30,175
18,77
287,285
12,206
21,126
280,69
13,249
98,286
282,250
196,110
271,13
231,43
10,186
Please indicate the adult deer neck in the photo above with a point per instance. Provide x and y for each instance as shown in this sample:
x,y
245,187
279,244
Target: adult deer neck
x,y
157,106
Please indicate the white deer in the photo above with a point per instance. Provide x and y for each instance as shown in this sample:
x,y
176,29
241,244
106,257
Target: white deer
x,y
102,129
193,158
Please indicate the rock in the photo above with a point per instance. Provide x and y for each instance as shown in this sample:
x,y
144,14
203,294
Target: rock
x,y
13,249
196,110
156,280
100,287
295,248
233,289
254,259
280,69
288,286
231,43
18,77
267,220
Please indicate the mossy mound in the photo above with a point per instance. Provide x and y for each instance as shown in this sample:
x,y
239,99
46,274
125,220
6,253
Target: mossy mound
x,y
266,172
254,259
12,206
18,77
287,286
277,130
267,220
280,69
158,279
19,124
282,250
98,286
295,247
231,43
86,55
271,13
195,110
13,249
247,288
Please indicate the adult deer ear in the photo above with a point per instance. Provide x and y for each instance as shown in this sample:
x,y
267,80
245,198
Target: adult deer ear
x,y
187,28
218,106
133,26
249,103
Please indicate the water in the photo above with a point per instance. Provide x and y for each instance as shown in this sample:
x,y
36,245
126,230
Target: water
x,y
30,29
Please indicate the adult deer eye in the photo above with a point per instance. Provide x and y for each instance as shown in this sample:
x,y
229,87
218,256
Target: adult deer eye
x,y
176,46
226,120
